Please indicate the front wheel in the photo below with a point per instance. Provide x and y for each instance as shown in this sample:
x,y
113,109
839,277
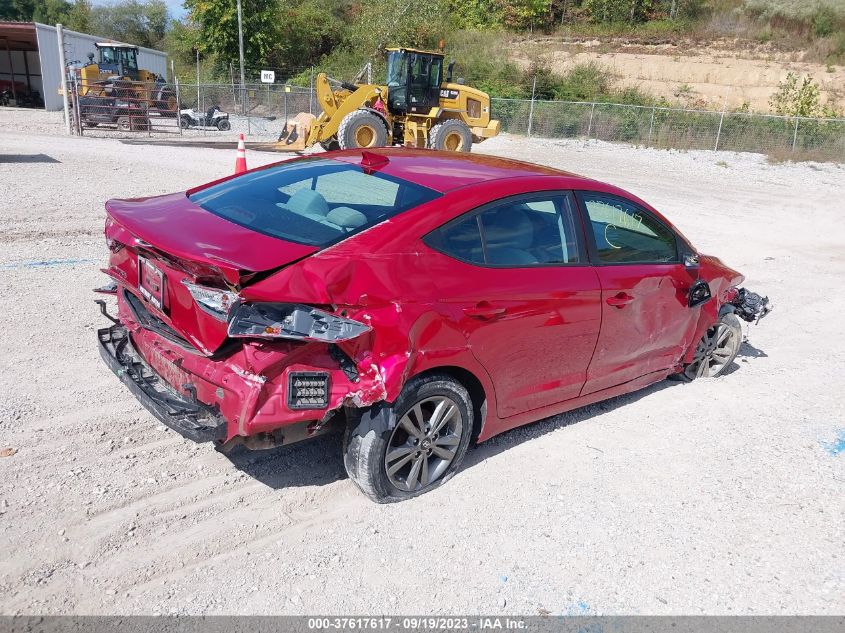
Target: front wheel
x,y
432,433
362,128
451,135
223,125
716,350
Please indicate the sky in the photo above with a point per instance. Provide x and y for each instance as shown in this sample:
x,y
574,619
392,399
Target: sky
x,y
174,6
176,9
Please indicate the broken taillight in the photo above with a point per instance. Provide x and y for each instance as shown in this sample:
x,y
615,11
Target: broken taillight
x,y
291,321
114,245
214,301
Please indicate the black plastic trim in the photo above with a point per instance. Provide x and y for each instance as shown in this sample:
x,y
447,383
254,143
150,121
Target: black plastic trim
x,y
191,419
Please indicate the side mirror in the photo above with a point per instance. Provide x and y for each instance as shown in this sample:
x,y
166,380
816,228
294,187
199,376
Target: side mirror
x,y
699,293
691,260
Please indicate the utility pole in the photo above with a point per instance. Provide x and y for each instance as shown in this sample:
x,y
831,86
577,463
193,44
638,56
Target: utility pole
x,y
198,79
60,33
241,50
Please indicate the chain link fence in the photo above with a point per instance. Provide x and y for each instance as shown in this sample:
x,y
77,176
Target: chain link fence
x,y
670,128
260,110
122,106
257,110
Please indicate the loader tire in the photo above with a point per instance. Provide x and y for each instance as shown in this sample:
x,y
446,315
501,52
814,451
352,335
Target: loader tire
x,y
167,105
450,135
361,129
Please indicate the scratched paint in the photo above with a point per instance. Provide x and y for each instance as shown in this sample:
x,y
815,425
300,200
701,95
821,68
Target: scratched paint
x,y
837,446
47,263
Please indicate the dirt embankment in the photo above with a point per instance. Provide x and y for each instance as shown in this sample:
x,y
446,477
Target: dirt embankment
x,y
697,74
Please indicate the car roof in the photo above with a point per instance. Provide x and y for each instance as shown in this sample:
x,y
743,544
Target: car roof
x,y
445,171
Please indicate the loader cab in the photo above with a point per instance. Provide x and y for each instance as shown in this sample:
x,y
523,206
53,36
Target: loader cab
x,y
118,59
413,80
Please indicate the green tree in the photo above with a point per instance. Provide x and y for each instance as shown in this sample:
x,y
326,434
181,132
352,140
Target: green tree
x,y
475,14
79,18
217,24
307,30
379,23
51,11
19,10
798,99
141,22
521,14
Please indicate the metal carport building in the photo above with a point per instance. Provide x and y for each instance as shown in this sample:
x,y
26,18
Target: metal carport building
x,y
29,58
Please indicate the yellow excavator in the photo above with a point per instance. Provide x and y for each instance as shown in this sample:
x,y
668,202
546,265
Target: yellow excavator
x,y
116,74
418,107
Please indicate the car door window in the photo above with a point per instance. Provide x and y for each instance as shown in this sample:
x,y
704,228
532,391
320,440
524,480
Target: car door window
x,y
627,234
517,232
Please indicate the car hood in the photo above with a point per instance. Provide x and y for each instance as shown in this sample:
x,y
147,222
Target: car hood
x,y
176,226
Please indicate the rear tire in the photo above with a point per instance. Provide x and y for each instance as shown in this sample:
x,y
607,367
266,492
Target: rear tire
x,y
408,460
361,129
184,122
716,350
451,136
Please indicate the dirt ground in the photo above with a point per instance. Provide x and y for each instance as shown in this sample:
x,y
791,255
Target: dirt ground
x,y
712,76
724,496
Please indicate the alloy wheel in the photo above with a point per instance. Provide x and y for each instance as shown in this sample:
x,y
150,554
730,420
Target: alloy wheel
x,y
715,351
424,443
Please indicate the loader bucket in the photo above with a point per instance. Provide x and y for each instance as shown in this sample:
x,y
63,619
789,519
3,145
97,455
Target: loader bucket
x,y
295,133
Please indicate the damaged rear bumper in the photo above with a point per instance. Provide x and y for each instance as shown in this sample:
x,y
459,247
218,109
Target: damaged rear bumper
x,y
261,394
192,419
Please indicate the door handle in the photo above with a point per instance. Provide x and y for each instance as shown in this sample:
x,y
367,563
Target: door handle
x,y
620,300
484,311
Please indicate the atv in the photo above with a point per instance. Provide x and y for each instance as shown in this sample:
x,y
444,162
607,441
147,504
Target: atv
x,y
215,118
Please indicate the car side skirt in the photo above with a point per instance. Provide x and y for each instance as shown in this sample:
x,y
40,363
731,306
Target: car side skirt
x,y
495,426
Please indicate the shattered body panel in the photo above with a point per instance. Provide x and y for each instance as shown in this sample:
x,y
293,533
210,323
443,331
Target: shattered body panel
x,y
547,353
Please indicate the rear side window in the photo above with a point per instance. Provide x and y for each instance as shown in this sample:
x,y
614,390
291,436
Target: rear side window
x,y
316,202
626,234
517,232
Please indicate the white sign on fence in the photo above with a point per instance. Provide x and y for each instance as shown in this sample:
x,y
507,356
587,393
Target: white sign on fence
x,y
268,76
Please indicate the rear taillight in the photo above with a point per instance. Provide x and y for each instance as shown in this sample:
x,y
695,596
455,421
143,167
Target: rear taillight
x,y
214,301
291,321
114,245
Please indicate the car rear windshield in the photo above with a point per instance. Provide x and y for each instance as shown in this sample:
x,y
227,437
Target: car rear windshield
x,y
316,201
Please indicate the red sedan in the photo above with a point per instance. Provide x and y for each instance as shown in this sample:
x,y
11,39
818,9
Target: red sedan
x,y
419,300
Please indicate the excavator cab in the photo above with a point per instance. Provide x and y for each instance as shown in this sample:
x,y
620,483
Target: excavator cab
x,y
413,80
118,59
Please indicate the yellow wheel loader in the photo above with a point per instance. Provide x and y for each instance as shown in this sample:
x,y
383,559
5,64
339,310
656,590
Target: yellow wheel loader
x,y
116,75
417,108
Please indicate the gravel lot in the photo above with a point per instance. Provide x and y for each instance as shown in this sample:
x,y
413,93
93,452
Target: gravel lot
x,y
723,496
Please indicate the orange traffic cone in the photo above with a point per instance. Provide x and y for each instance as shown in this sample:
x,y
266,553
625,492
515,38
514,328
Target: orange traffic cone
x,y
240,161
